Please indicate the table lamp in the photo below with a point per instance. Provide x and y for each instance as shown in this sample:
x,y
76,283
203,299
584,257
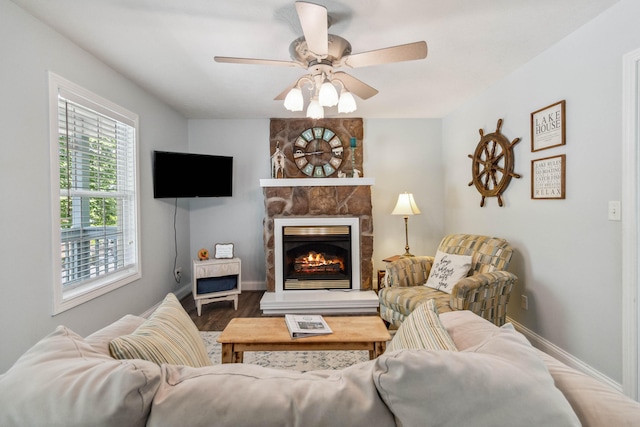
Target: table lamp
x,y
406,206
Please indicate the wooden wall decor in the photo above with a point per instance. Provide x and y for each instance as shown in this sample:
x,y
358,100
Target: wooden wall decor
x,y
492,164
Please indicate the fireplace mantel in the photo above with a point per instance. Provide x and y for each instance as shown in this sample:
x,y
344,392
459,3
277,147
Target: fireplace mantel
x,y
317,182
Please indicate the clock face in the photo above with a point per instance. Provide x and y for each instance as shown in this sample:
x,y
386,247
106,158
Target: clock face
x,y
318,152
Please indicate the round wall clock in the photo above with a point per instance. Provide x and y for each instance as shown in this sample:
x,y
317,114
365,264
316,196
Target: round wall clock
x,y
318,152
492,167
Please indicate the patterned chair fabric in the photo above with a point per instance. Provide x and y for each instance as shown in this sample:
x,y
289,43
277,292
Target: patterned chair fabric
x,y
485,290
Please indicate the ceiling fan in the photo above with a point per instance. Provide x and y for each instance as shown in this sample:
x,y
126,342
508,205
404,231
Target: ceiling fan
x,y
320,53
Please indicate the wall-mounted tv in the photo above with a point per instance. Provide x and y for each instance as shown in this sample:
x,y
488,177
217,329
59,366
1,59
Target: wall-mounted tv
x,y
191,175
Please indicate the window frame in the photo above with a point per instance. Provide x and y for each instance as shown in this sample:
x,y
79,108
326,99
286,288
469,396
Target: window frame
x,y
65,299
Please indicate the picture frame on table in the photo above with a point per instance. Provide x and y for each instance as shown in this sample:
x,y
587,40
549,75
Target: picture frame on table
x,y
548,127
223,250
548,177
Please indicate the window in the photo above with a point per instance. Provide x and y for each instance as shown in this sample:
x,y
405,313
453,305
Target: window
x,y
94,194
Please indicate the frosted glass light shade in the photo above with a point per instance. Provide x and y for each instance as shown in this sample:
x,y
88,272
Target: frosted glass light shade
x,y
406,205
315,110
293,101
328,95
347,103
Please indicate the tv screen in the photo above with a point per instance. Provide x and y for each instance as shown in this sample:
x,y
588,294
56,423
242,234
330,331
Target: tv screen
x,y
191,175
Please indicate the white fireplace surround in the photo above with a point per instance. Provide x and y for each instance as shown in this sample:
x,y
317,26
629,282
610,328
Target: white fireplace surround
x,y
323,301
280,223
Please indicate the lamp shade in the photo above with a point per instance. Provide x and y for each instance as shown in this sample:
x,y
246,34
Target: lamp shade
x,y
328,95
294,101
406,205
347,103
315,110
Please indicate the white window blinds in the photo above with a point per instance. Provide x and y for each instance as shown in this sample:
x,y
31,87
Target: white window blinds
x,y
97,195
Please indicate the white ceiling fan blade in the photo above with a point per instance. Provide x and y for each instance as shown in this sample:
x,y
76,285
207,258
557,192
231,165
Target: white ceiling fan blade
x,y
314,21
231,60
405,52
355,86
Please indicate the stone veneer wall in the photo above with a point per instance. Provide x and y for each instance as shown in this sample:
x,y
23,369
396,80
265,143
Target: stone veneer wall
x,y
285,132
318,202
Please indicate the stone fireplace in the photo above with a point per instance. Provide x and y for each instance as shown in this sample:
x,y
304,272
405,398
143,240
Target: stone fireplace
x,y
305,204
298,211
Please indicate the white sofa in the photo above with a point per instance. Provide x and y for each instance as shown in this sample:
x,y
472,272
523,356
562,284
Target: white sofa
x,y
495,378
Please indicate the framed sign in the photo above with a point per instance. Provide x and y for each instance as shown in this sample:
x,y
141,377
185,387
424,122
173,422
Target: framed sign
x,y
223,250
548,127
548,177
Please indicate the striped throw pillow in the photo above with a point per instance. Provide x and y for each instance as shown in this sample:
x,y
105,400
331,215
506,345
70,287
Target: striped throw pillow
x,y
422,329
168,336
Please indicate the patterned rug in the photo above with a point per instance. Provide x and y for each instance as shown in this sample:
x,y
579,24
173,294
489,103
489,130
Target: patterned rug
x,y
293,360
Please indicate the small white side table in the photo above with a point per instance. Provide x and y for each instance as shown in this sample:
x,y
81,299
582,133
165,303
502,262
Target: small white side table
x,y
216,280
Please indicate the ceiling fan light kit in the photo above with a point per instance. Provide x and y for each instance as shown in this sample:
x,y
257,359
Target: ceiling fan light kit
x,y
294,101
320,53
347,103
315,110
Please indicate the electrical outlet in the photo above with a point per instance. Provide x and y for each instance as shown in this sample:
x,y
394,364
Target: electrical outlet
x,y
524,302
177,274
614,210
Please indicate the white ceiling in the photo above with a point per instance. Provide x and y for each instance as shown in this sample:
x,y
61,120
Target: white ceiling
x,y
167,47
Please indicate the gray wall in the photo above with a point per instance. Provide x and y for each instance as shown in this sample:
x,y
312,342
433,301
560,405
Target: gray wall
x,y
567,252
28,50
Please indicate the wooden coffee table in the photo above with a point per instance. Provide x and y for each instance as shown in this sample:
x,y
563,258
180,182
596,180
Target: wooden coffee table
x,y
271,334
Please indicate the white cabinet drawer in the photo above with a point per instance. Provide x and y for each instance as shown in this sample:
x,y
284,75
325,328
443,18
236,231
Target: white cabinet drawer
x,y
217,270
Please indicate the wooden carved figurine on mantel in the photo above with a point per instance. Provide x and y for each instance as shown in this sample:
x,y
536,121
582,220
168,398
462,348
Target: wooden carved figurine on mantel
x,y
492,166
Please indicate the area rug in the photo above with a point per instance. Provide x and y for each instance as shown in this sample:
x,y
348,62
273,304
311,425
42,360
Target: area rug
x,y
293,360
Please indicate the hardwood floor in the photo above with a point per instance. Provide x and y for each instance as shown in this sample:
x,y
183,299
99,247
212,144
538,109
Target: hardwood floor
x,y
216,315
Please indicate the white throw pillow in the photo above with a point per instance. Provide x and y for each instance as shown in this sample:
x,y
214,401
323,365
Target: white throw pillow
x,y
447,270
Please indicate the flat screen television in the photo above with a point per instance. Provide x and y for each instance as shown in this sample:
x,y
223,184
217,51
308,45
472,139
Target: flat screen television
x,y
191,175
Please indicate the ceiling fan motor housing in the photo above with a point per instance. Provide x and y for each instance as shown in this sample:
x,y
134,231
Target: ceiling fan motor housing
x,y
338,48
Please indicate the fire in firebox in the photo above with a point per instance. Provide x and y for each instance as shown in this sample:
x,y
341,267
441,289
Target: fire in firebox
x,y
317,263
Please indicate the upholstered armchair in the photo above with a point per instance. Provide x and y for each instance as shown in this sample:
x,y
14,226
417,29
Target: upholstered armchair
x,y
485,290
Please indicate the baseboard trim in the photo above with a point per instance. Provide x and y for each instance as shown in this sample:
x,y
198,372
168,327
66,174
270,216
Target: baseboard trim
x,y
567,358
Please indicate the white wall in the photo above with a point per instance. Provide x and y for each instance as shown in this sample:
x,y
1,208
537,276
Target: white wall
x,y
567,252
402,155
28,50
236,219
405,155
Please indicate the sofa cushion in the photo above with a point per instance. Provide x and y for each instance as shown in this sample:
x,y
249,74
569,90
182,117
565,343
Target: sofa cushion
x,y
499,382
422,329
101,338
168,336
250,395
447,270
405,299
466,328
595,403
63,381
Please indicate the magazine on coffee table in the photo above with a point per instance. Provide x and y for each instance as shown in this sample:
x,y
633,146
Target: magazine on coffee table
x,y
306,325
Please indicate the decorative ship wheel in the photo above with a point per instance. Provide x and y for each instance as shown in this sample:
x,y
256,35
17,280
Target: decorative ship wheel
x,y
492,167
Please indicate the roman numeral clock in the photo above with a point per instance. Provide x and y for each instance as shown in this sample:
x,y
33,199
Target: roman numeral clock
x,y
318,152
